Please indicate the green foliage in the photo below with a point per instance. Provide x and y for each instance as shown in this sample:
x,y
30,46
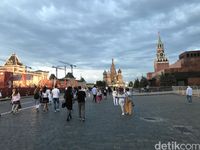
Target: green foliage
x,y
143,82
152,82
130,84
82,79
100,83
136,83
167,79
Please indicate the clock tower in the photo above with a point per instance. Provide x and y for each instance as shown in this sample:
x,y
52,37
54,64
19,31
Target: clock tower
x,y
161,62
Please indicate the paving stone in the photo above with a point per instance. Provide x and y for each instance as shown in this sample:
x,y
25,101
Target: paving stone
x,y
156,118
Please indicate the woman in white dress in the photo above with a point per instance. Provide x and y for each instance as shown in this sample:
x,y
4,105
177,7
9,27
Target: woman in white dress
x,y
115,99
121,96
50,96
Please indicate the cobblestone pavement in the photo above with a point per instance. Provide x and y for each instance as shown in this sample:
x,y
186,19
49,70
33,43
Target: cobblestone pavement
x,y
164,118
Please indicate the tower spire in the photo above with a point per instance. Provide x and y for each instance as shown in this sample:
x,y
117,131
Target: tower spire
x,y
161,61
113,71
159,38
160,43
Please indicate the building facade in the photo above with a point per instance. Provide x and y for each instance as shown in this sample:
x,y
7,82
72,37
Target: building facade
x,y
68,80
185,71
113,77
14,74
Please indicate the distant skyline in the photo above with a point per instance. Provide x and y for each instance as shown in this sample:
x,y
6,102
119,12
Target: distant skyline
x,y
90,33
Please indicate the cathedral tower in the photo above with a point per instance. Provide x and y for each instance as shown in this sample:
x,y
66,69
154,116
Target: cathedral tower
x,y
113,77
113,72
161,62
119,77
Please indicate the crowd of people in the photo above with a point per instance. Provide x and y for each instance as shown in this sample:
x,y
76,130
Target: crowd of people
x,y
120,95
100,93
44,96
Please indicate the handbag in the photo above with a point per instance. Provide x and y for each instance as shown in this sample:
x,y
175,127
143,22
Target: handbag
x,y
63,105
36,95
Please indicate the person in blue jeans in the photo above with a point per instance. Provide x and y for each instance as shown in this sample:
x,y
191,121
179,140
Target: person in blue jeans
x,y
189,94
56,95
81,96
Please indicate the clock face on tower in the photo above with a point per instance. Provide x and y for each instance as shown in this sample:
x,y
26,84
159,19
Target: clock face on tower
x,y
161,54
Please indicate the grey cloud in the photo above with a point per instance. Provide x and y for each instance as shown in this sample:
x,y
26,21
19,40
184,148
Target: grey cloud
x,y
90,33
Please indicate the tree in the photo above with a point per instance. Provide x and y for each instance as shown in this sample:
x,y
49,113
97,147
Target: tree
x,y
152,82
130,84
100,83
136,83
167,79
143,82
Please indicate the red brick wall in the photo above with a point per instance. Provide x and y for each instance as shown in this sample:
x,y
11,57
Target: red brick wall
x,y
190,64
149,75
160,66
7,92
5,78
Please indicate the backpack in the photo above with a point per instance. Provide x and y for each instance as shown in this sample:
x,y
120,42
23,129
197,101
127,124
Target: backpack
x,y
36,95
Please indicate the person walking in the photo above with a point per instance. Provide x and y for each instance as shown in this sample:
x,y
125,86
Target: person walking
x,y
121,96
50,95
81,96
74,92
56,95
109,90
189,94
0,97
36,97
99,95
94,93
0,94
115,99
128,106
68,101
105,93
45,99
15,100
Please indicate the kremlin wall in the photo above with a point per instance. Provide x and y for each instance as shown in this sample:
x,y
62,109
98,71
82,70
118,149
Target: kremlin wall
x,y
186,70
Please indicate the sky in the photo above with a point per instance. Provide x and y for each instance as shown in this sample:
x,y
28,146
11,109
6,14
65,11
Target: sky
x,y
89,33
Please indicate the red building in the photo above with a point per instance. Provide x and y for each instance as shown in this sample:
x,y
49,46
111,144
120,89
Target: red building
x,y
68,80
186,70
15,74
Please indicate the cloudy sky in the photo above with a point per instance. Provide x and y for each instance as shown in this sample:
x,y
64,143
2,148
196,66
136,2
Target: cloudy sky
x,y
89,33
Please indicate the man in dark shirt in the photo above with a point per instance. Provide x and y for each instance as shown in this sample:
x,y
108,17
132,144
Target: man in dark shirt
x,y
81,95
